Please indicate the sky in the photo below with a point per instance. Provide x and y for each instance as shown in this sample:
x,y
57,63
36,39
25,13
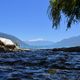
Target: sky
x,y
28,20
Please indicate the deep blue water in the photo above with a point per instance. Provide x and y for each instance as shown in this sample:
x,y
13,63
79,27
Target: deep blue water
x,y
40,65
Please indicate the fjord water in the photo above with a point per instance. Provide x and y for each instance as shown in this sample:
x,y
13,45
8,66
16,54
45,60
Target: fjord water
x,y
40,65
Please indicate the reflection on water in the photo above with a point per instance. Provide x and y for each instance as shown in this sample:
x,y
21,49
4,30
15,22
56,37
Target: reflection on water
x,y
40,65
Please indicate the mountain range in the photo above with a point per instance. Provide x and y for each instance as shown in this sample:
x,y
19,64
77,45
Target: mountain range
x,y
40,44
43,44
70,42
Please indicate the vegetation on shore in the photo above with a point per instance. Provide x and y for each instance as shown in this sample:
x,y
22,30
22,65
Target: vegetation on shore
x,y
69,49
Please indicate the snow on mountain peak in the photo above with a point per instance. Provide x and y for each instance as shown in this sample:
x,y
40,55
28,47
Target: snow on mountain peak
x,y
38,39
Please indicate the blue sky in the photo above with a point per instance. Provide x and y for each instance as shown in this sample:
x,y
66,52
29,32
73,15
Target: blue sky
x,y
28,20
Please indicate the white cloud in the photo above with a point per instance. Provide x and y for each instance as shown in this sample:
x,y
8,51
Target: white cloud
x,y
38,39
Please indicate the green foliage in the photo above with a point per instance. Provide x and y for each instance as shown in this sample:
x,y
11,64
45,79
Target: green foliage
x,y
70,8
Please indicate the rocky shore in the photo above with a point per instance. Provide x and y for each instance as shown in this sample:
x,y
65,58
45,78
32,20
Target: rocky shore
x,y
15,48
4,49
7,45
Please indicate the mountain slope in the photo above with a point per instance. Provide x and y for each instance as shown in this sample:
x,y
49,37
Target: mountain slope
x,y
14,39
40,44
70,42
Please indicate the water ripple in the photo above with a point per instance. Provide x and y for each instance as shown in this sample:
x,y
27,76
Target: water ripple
x,y
40,65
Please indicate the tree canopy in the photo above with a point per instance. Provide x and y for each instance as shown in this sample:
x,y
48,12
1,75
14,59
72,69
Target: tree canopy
x,y
70,8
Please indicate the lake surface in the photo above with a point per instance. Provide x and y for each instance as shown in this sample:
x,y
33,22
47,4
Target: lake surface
x,y
40,65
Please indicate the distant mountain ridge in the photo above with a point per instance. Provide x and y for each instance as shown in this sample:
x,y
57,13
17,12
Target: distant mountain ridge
x,y
40,44
14,39
70,42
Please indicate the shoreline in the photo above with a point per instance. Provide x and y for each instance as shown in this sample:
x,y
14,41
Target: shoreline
x,y
2,49
65,49
68,49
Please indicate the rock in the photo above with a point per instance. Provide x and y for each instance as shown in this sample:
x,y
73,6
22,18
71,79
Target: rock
x,y
7,45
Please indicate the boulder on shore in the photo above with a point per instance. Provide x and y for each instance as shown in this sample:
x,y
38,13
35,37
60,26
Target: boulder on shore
x,y
7,45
